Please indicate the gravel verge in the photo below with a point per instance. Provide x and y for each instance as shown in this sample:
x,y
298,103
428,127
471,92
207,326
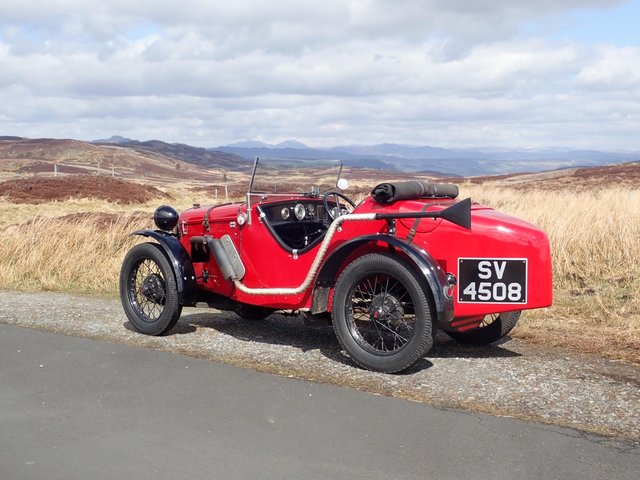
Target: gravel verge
x,y
513,379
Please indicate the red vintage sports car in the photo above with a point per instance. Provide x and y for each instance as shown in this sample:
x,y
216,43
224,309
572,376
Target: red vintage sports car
x,y
407,260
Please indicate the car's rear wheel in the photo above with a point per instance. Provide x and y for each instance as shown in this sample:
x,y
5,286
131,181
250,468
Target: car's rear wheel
x,y
493,328
381,313
148,290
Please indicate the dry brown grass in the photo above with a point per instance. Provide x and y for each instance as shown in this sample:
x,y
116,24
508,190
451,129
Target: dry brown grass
x,y
75,245
595,238
595,235
79,252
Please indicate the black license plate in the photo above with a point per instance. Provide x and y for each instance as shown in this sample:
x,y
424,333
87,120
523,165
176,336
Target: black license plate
x,y
492,280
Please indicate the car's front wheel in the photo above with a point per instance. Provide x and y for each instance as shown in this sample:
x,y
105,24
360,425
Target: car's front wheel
x,y
381,313
493,328
148,290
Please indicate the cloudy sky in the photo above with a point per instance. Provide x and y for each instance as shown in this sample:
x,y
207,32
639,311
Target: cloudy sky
x,y
450,73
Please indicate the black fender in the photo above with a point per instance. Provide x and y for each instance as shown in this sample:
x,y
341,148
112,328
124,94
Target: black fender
x,y
433,274
180,262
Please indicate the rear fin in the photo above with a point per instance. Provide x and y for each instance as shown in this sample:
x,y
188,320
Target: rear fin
x,y
458,213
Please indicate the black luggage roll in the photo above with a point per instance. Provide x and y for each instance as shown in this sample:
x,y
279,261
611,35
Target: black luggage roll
x,y
385,193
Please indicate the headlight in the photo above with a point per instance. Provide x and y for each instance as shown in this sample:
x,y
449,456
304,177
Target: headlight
x,y
166,218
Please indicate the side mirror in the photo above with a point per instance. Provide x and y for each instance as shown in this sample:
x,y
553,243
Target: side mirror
x,y
343,184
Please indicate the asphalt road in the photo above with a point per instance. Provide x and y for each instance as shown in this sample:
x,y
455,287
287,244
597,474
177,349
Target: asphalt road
x,y
73,408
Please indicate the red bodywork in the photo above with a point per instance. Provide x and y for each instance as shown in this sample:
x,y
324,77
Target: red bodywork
x,y
493,236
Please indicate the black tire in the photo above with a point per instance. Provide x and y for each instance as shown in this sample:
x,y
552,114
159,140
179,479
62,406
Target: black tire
x,y
381,313
252,312
493,328
148,290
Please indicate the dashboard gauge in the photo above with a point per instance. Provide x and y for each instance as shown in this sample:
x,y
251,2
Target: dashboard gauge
x,y
300,211
312,210
284,213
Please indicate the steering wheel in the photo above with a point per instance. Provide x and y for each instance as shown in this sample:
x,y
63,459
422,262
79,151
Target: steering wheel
x,y
337,196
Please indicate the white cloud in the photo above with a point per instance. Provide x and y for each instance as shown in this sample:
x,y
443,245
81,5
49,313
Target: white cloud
x,y
442,72
614,69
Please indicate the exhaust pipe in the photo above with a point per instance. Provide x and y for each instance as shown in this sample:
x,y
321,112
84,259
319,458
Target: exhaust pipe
x,y
459,213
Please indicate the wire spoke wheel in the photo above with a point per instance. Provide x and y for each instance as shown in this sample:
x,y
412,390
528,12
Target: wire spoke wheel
x,y
382,314
148,290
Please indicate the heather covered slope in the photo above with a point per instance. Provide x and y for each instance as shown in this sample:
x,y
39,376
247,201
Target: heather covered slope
x,y
624,175
148,160
38,190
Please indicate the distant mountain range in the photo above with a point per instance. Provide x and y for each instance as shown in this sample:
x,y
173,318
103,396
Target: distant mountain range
x,y
124,158
178,151
387,156
426,159
159,163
